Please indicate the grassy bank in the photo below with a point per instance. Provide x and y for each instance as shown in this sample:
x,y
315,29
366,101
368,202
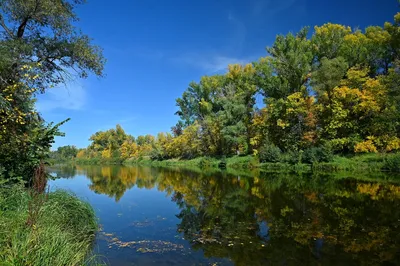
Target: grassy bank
x,y
98,161
233,163
362,163
374,162
237,162
53,229
359,163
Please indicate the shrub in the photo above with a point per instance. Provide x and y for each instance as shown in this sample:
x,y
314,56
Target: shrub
x,y
205,162
317,155
365,147
292,157
270,154
242,162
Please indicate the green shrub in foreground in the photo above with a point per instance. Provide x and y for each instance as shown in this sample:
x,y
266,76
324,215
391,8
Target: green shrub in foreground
x,y
62,232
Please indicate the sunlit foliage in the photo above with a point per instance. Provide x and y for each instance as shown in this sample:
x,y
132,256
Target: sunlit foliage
x,y
336,90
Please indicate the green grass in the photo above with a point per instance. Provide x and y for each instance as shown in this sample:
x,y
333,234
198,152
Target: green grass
x,y
61,232
365,163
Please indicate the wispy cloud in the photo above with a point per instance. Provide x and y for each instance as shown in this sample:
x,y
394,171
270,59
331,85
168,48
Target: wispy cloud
x,y
239,34
70,97
210,63
272,7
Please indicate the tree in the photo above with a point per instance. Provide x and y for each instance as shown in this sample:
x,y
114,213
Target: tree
x,y
41,33
40,47
328,40
291,59
64,153
199,99
337,88
108,143
328,75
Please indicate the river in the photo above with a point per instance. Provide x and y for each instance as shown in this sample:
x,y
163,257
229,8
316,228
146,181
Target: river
x,y
165,216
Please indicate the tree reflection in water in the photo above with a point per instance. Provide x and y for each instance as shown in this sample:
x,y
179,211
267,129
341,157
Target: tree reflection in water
x,y
274,218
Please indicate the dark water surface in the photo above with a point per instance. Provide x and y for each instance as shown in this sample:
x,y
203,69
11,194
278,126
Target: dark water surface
x,y
157,216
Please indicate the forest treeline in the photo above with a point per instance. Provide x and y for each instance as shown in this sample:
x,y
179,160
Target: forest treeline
x,y
331,91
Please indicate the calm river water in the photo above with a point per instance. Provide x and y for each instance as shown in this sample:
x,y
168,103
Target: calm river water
x,y
158,216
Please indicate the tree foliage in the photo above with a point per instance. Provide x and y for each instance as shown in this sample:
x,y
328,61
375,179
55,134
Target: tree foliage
x,y
334,91
40,48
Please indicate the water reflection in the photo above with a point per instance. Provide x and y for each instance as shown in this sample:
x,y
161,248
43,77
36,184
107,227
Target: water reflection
x,y
275,218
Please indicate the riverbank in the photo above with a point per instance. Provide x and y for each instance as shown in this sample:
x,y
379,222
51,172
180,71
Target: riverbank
x,y
46,229
367,162
376,162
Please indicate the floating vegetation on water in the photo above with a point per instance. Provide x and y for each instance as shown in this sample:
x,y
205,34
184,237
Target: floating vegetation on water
x,y
160,218
230,241
206,239
143,246
141,224
147,222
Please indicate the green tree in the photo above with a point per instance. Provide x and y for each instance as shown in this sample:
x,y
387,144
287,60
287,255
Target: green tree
x,y
43,32
40,46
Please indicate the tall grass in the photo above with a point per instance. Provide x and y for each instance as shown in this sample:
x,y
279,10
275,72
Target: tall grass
x,y
62,232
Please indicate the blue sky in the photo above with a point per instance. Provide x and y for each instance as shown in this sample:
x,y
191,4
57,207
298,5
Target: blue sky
x,y
155,48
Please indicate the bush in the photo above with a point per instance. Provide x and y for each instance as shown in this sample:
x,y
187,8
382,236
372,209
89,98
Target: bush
x,y
242,162
292,157
157,155
270,154
317,155
206,162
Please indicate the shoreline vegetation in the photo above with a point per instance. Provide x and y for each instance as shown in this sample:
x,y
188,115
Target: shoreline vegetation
x,y
54,228
361,163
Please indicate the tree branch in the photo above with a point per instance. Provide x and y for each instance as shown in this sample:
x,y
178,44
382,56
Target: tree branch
x,y
3,24
21,28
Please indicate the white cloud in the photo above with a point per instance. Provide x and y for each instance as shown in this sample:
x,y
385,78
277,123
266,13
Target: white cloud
x,y
70,97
